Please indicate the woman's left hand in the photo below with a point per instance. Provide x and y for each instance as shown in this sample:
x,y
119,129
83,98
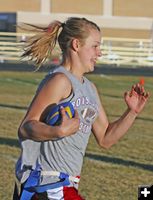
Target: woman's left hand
x,y
136,98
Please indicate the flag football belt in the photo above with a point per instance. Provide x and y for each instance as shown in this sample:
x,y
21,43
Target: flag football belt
x,y
74,179
32,186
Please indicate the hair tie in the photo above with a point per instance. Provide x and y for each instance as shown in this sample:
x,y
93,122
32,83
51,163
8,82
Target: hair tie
x,y
52,26
49,29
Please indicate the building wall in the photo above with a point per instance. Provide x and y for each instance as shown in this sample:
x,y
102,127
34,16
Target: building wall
x,y
121,8
136,8
19,5
62,6
93,7
126,33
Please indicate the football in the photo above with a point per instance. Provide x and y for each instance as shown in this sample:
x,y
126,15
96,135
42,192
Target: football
x,y
54,116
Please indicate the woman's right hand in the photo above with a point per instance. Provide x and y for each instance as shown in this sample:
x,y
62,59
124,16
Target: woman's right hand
x,y
68,126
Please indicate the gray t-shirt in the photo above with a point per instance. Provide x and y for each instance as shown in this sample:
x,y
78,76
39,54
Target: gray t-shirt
x,y
64,154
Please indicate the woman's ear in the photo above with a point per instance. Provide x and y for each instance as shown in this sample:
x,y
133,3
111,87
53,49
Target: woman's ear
x,y
75,44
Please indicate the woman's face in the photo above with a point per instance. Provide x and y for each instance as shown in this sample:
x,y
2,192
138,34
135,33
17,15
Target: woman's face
x,y
90,51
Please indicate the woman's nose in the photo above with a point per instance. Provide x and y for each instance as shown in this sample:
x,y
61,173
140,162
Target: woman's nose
x,y
99,53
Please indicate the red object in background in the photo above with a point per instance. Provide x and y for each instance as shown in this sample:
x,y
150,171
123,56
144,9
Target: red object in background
x,y
142,81
55,61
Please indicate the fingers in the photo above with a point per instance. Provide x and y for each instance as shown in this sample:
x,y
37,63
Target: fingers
x,y
63,113
69,126
136,98
76,114
65,116
130,94
139,89
127,94
147,95
143,94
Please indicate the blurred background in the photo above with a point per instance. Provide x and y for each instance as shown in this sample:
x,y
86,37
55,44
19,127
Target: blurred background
x,y
127,27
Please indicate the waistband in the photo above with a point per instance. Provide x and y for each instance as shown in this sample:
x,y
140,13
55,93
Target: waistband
x,y
32,186
61,175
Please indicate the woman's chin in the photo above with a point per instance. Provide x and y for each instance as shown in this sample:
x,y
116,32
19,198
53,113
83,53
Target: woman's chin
x,y
92,68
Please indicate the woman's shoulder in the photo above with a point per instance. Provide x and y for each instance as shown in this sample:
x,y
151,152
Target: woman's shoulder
x,y
55,79
59,77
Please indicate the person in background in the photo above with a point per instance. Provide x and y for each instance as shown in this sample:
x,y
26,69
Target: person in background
x,y
51,159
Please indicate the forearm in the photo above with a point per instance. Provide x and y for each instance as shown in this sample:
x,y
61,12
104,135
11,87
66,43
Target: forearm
x,y
38,131
117,129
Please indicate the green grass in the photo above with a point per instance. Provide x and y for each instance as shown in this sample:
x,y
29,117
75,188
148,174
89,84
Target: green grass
x,y
113,174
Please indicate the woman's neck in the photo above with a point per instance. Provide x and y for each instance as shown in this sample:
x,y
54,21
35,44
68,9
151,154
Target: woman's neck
x,y
74,69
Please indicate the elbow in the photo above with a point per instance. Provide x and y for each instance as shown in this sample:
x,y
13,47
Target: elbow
x,y
22,132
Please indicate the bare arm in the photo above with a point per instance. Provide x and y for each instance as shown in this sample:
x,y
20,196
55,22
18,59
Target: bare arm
x,y
32,127
107,133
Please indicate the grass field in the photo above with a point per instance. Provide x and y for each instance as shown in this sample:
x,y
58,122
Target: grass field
x,y
113,174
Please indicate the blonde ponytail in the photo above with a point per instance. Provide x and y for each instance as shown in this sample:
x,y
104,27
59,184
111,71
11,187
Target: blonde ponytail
x,y
40,46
